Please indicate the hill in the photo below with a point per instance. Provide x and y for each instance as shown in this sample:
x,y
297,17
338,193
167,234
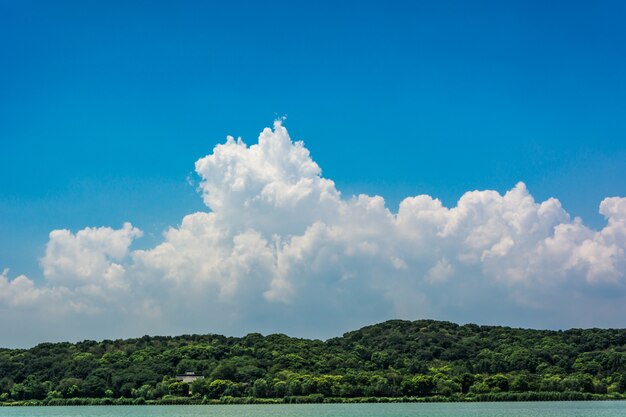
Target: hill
x,y
397,359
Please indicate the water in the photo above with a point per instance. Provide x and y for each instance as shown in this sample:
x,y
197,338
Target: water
x,y
516,409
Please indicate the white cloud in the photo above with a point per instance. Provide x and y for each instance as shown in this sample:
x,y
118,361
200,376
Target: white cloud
x,y
251,187
90,256
281,249
19,291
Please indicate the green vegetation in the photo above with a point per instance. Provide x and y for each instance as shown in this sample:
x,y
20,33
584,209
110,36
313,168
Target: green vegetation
x,y
393,361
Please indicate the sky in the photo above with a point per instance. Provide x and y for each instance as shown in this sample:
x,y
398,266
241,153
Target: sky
x,y
447,160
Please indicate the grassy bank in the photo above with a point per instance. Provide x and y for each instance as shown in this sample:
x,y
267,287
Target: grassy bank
x,y
319,399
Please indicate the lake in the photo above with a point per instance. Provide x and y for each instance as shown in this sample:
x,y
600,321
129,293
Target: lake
x,y
501,409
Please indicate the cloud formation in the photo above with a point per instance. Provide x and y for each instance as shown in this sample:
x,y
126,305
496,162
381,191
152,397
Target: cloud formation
x,y
280,249
89,256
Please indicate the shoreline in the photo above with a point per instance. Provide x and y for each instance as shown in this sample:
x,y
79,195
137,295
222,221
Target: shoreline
x,y
532,396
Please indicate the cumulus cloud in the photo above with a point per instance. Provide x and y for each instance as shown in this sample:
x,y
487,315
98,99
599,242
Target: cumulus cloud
x,y
251,187
19,291
279,249
89,256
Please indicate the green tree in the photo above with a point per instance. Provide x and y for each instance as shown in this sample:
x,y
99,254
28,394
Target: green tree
x,y
447,387
18,392
260,388
70,387
520,383
419,385
218,387
467,380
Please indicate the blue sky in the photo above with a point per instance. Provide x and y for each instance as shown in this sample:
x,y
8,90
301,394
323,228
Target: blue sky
x,y
105,106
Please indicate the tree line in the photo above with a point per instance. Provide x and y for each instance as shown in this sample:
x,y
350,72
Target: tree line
x,y
397,360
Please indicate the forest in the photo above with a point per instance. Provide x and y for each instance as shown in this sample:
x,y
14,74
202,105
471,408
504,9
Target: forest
x,y
397,360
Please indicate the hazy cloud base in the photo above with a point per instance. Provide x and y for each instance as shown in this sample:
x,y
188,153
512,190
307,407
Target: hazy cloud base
x,y
280,250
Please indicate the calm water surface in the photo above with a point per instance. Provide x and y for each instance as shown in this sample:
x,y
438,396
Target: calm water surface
x,y
516,409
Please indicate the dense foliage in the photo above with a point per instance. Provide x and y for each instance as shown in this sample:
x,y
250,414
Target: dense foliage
x,y
397,359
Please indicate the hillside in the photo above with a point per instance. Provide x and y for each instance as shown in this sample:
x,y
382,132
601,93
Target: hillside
x,y
395,359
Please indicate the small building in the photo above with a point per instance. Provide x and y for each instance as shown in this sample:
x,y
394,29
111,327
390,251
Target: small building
x,y
188,377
